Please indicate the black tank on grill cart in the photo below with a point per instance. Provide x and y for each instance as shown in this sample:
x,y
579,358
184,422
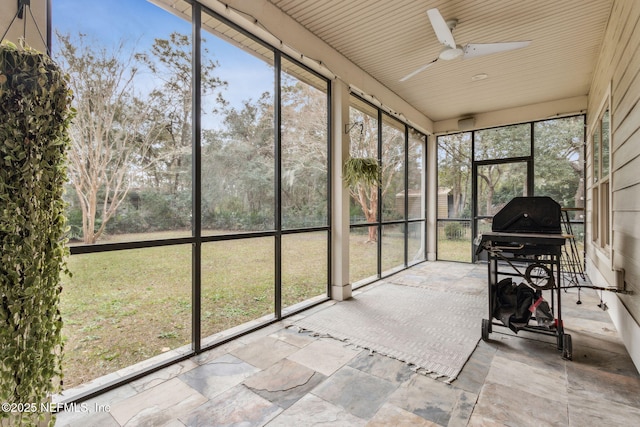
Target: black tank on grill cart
x,y
529,215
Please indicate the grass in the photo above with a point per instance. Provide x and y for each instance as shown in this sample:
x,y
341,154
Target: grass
x,y
454,250
123,307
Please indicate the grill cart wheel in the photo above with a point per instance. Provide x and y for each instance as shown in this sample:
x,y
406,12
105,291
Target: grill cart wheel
x,y
539,276
486,329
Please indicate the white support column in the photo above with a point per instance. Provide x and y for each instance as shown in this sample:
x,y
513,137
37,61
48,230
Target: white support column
x,y
340,286
432,197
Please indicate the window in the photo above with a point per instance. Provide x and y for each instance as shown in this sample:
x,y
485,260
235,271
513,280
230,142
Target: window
x,y
387,222
480,171
454,197
184,189
503,142
600,138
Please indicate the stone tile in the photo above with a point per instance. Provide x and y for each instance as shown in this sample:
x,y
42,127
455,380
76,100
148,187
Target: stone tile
x,y
589,308
98,407
71,393
606,356
430,399
158,404
237,406
591,383
261,333
313,410
472,376
163,375
582,339
325,355
539,382
310,311
534,351
462,409
359,393
598,328
383,367
284,383
600,412
264,352
216,352
82,419
512,405
390,415
151,363
482,421
294,337
218,375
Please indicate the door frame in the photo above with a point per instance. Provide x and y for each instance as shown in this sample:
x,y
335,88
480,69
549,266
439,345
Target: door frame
x,y
475,164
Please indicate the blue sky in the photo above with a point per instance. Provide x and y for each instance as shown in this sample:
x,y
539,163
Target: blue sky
x,y
139,22
111,20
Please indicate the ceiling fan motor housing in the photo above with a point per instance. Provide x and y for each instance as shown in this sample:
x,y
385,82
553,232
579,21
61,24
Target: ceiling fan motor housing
x,y
449,53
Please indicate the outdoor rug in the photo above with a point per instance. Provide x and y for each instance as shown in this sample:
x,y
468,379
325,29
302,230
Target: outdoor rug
x,y
435,331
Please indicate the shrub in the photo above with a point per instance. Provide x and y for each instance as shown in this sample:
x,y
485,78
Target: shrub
x,y
454,231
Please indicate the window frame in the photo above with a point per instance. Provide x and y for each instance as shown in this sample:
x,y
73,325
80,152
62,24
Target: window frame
x,y
600,142
357,102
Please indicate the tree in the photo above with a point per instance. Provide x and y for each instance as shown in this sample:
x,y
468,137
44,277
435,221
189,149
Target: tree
x,y
559,155
238,166
509,179
239,160
169,62
122,135
454,170
364,144
110,133
303,153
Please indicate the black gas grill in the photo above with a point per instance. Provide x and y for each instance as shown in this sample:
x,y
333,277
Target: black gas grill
x,y
539,215
525,242
526,226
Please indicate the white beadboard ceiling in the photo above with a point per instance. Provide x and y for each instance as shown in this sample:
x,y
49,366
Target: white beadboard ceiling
x,y
390,38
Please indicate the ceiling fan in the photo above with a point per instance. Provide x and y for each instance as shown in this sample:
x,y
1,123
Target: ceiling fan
x,y
451,50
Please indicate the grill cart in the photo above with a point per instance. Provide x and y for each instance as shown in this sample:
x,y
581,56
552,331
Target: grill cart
x,y
526,242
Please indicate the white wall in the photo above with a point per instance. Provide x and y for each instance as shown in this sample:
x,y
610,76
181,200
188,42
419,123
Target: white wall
x,y
618,72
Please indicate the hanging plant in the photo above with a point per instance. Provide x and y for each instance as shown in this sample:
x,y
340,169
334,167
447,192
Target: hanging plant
x,y
35,110
361,170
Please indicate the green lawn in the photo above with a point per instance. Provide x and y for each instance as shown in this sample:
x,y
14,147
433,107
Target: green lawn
x,y
454,250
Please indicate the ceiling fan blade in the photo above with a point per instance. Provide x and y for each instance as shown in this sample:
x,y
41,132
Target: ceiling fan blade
x,y
473,50
440,27
419,70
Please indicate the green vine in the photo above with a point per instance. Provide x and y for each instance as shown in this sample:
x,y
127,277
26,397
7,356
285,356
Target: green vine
x,y
361,170
35,110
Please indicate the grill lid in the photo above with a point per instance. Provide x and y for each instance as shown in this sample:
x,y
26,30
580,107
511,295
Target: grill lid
x,y
539,214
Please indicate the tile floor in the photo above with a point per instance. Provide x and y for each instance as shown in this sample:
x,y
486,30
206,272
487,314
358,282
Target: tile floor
x,y
279,377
